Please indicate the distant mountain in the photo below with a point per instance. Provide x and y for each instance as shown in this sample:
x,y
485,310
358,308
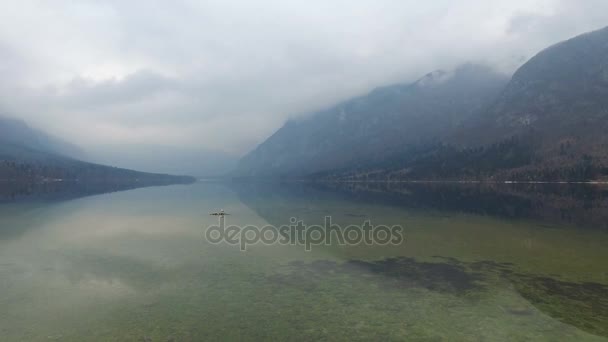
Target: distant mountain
x,y
31,156
549,122
21,164
16,132
193,160
377,126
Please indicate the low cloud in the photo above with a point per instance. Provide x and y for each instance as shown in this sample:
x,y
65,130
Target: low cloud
x,y
223,75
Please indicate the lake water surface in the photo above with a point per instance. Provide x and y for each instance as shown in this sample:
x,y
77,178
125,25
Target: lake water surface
x,y
478,263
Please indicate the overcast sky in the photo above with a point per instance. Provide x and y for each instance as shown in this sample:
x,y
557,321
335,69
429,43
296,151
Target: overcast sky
x,y
223,75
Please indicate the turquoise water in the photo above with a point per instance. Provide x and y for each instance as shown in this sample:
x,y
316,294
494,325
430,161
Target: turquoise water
x,y
496,264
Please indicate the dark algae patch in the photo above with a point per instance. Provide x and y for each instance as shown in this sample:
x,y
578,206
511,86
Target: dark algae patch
x,y
399,272
407,272
583,305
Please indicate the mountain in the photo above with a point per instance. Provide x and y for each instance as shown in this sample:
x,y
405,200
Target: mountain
x,y
21,164
32,156
558,103
17,132
547,123
193,160
377,126
563,90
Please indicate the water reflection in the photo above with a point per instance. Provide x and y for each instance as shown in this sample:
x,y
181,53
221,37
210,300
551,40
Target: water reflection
x,y
579,301
60,191
134,265
584,206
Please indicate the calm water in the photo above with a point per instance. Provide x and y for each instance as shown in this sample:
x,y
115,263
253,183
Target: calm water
x,y
502,263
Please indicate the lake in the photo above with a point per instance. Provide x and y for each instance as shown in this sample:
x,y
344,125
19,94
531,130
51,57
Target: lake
x,y
477,263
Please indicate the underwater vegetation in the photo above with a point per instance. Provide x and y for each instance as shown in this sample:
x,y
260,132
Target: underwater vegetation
x,y
583,305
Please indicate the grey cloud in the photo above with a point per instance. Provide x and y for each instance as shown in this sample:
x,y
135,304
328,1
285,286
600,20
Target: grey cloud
x,y
81,92
223,75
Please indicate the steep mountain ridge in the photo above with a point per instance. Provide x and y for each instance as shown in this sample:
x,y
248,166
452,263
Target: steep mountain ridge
x,y
558,101
562,89
547,123
377,126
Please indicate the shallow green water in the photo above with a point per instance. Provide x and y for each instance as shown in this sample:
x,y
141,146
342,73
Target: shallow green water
x,y
135,266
